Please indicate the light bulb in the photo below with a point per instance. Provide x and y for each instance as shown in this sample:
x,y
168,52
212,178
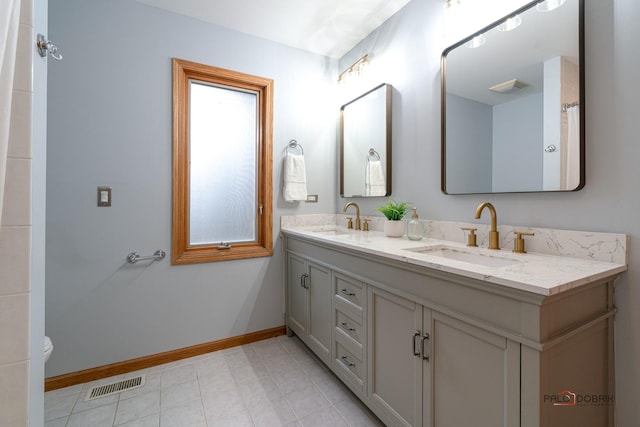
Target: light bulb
x,y
549,5
510,23
477,41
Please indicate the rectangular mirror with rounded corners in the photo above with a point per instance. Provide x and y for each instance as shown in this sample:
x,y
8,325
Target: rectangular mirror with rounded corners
x,y
365,144
513,103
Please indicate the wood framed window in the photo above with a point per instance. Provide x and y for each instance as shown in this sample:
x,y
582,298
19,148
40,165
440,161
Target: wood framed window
x,y
222,164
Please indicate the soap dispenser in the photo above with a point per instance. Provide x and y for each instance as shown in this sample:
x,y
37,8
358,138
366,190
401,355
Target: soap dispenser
x,y
415,229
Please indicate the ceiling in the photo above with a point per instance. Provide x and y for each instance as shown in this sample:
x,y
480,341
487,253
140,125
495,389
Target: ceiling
x,y
326,27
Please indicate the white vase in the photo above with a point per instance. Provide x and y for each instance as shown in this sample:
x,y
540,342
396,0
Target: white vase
x,y
394,228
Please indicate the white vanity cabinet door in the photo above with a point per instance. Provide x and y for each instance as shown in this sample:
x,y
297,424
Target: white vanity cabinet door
x,y
309,304
476,375
396,364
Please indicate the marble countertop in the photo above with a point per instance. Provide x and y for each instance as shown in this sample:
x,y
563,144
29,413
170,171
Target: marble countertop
x,y
538,273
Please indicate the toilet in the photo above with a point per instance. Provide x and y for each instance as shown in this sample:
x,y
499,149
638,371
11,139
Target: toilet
x,y
48,348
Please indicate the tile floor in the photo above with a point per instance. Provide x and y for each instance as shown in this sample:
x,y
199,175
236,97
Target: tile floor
x,y
271,383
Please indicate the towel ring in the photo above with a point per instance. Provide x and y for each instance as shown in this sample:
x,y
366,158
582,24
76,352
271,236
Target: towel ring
x,y
374,153
293,144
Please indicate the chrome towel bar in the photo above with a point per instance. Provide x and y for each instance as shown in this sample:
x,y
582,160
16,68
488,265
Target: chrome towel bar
x,y
133,257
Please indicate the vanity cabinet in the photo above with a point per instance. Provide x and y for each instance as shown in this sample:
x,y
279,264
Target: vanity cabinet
x,y
399,371
424,347
309,304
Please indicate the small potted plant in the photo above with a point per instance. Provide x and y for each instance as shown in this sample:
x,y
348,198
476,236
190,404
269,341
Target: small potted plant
x,y
394,212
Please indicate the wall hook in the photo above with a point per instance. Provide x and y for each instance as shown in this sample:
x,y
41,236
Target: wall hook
x,y
46,46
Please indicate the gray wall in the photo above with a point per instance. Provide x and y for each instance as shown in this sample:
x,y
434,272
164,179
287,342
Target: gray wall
x,y
517,142
187,305
109,123
609,202
470,146
494,148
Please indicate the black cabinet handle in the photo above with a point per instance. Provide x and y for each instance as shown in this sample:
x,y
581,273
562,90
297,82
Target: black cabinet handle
x,y
425,347
415,338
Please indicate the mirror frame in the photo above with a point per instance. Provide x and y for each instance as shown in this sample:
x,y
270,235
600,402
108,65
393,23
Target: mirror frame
x,y
581,64
388,118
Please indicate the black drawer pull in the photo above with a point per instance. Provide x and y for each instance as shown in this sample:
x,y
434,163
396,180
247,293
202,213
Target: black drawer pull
x,y
347,327
346,361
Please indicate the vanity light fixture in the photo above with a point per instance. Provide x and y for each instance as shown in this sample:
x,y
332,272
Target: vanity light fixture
x,y
475,42
549,5
452,3
355,69
510,23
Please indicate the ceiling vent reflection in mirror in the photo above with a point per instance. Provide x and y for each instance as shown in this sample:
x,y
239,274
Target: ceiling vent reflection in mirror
x,y
509,86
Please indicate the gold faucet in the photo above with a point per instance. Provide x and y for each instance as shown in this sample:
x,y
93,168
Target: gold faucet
x,y
493,234
357,213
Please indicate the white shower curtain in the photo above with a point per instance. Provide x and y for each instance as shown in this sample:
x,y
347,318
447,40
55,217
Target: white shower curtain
x,y
9,25
572,170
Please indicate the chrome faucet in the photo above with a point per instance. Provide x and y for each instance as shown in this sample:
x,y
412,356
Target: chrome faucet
x,y
357,213
493,234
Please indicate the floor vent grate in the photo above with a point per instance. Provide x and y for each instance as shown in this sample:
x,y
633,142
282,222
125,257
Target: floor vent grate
x,y
116,387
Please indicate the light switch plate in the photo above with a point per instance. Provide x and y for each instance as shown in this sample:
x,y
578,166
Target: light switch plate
x,y
312,198
104,196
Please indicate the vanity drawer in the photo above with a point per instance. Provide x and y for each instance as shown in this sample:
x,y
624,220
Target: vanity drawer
x,y
351,330
349,366
350,292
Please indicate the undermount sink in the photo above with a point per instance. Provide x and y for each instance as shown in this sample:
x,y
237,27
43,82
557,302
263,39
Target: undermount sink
x,y
332,232
346,235
465,255
359,238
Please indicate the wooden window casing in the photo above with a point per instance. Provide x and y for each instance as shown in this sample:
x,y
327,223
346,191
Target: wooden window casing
x,y
182,252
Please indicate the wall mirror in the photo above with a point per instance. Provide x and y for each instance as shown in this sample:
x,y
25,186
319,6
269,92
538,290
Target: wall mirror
x,y
365,144
222,139
513,103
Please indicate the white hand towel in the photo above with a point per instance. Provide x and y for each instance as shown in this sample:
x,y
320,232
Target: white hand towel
x,y
375,184
295,179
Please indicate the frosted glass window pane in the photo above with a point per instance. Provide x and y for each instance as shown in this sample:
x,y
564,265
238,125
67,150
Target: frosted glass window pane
x,y
223,165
